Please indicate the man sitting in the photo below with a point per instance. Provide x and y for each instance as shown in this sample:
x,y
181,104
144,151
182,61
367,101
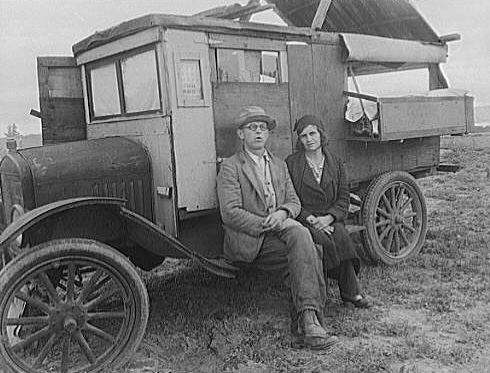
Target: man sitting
x,y
258,205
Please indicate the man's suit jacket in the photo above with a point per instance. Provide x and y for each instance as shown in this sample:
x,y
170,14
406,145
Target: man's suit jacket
x,y
243,206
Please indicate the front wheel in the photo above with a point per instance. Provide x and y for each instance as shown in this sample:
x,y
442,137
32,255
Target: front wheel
x,y
16,245
395,216
71,305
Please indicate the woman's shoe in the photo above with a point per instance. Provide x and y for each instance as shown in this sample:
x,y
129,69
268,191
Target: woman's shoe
x,y
358,303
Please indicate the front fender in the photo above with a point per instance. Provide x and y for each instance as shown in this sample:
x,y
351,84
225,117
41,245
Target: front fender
x,y
153,237
106,220
34,217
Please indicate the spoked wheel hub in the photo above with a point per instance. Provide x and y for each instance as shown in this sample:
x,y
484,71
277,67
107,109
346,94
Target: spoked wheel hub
x,y
67,319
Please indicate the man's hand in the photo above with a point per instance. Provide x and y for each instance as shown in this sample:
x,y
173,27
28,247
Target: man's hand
x,y
273,221
322,223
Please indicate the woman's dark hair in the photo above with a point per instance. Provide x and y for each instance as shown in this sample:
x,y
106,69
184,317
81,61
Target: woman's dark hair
x,y
305,121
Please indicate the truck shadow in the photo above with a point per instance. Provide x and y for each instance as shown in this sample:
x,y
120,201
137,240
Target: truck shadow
x,y
190,291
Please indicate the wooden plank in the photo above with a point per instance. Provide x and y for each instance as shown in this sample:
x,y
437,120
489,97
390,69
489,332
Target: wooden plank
x,y
230,98
247,13
140,39
64,122
421,99
56,61
213,65
235,10
321,14
457,130
85,94
406,117
301,92
253,62
469,113
42,80
437,80
372,68
246,42
35,113
330,81
65,79
60,93
337,147
367,160
164,62
361,95
61,100
283,66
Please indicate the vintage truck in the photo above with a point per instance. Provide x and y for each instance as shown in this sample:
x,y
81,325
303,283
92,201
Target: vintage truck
x,y
134,127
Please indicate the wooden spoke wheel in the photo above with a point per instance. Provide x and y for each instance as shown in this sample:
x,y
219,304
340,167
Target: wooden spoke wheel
x,y
395,216
71,305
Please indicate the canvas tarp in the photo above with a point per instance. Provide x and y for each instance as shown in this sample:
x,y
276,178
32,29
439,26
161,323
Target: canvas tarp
x,y
366,48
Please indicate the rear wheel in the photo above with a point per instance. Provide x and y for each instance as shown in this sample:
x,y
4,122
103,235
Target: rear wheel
x,y
395,216
71,305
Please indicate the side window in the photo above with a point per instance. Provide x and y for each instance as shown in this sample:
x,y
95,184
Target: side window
x,y
248,66
140,83
125,85
105,91
269,67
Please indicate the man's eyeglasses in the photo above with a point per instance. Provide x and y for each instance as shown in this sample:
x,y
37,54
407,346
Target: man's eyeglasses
x,y
254,126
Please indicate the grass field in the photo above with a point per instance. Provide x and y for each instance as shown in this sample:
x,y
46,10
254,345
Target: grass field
x,y
431,313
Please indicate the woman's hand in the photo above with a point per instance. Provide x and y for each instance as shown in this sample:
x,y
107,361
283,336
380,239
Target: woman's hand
x,y
322,223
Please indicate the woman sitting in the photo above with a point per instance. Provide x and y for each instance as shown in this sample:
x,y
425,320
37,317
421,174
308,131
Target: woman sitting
x,y
319,179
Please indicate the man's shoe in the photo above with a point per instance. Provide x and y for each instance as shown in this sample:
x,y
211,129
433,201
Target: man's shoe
x,y
313,343
310,326
311,334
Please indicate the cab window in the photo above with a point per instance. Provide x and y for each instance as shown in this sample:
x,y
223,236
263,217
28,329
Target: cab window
x,y
125,85
248,66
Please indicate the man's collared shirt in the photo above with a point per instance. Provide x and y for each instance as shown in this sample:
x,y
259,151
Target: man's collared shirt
x,y
263,172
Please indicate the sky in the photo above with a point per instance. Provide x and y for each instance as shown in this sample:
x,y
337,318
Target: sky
x,y
32,28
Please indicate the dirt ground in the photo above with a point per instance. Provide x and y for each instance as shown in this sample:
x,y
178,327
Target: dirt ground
x,y
430,315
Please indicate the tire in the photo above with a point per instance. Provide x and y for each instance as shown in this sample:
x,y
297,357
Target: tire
x,y
395,216
70,305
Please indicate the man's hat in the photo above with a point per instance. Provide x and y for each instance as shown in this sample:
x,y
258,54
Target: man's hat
x,y
254,114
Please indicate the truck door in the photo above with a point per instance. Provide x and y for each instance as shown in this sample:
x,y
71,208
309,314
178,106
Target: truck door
x,y
60,100
192,120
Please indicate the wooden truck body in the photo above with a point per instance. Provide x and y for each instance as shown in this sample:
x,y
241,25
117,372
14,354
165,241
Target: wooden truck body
x,y
198,73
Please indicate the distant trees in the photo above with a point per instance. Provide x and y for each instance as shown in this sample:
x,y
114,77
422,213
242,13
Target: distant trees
x,y
13,131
